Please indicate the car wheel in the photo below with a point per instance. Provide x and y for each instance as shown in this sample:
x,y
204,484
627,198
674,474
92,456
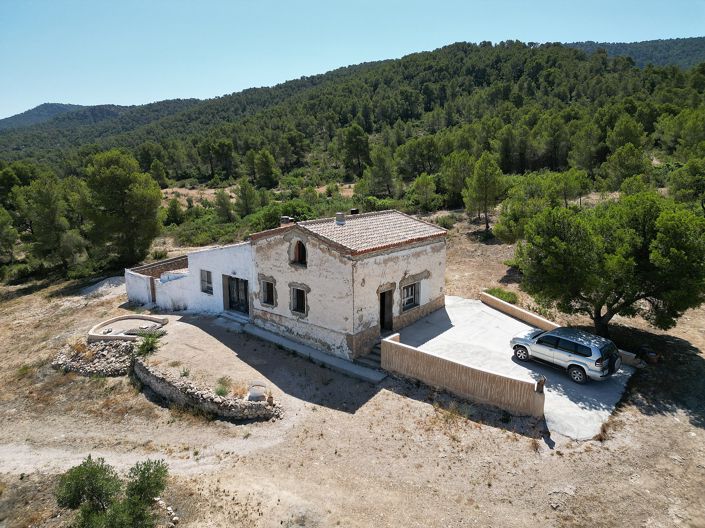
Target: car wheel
x,y
521,353
577,374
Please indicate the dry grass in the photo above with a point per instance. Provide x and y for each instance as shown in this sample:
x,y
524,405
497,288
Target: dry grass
x,y
239,390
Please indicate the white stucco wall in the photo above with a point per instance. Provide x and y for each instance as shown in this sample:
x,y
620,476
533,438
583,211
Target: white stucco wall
x,y
378,269
329,277
235,260
173,293
137,286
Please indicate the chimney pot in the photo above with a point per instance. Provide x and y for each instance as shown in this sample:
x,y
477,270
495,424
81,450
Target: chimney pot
x,y
340,218
284,220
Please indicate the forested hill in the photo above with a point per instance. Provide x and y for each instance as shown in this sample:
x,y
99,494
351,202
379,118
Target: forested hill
x,y
683,52
38,114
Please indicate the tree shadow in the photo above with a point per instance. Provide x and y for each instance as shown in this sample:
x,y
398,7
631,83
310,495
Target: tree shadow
x,y
511,276
677,382
12,293
482,236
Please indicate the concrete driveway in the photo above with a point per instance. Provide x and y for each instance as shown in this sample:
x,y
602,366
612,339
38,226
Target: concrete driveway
x,y
475,334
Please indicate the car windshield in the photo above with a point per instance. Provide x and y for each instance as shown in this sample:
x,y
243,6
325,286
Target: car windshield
x,y
609,349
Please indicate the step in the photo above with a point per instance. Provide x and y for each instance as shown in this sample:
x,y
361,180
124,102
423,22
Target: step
x,y
341,365
369,362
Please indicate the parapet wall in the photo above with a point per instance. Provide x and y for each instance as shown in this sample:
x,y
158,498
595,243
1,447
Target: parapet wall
x,y
155,269
519,397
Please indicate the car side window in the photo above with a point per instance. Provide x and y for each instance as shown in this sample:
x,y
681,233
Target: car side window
x,y
583,350
566,345
550,341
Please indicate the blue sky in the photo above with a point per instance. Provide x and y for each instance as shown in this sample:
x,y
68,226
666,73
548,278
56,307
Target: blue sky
x,y
133,52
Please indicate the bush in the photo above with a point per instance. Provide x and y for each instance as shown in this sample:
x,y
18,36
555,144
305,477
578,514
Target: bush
x,y
503,294
160,254
94,488
147,480
148,344
446,221
92,483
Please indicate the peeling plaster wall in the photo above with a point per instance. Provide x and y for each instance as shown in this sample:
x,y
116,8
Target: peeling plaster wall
x,y
235,261
394,269
328,274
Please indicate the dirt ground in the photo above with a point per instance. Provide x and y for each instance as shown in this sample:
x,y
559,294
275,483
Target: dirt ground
x,y
347,453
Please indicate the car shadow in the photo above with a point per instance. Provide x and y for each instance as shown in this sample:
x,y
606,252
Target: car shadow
x,y
592,396
295,376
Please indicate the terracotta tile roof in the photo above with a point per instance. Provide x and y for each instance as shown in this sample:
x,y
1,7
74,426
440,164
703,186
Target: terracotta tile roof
x,y
366,232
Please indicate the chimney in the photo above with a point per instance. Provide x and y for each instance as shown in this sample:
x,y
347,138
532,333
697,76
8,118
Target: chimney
x,y
354,211
284,220
340,218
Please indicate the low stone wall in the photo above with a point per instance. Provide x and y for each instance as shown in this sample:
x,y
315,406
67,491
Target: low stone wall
x,y
94,333
104,358
517,313
186,394
519,397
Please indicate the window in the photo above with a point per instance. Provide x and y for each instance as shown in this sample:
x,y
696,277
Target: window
x,y
299,253
550,341
206,282
410,296
298,300
268,292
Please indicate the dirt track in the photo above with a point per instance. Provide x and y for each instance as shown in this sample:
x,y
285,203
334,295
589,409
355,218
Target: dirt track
x,y
346,453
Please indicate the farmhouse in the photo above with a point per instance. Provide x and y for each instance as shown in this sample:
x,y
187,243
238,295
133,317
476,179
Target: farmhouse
x,y
335,284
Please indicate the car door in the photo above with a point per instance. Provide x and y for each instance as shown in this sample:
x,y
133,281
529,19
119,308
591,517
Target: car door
x,y
565,353
544,347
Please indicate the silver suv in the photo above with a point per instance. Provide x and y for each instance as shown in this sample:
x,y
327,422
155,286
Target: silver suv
x,y
584,355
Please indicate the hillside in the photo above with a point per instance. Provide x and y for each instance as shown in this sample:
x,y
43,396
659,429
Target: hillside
x,y
36,115
682,52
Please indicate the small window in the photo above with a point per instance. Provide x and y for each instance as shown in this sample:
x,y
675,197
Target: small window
x,y
268,293
410,296
206,282
583,350
300,253
298,300
550,341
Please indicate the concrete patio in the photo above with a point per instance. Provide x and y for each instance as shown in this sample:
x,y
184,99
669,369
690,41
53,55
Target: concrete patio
x,y
474,334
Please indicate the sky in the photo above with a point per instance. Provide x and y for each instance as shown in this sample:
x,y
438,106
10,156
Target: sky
x,y
134,52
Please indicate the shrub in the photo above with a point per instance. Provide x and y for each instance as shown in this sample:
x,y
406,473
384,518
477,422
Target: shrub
x,y
446,221
503,294
148,345
159,254
94,488
147,480
221,390
92,483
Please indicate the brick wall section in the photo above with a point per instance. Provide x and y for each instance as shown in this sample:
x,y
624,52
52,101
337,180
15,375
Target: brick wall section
x,y
413,315
155,269
516,396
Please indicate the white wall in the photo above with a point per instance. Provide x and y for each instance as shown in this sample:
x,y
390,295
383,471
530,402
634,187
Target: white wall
x,y
137,286
235,260
329,277
173,293
372,272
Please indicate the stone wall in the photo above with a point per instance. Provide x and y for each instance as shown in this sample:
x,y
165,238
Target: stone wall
x,y
184,393
520,397
155,269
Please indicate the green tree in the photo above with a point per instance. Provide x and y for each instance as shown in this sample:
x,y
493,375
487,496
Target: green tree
x,y
174,213
93,482
247,199
123,206
626,161
356,149
422,193
587,148
626,130
638,256
484,187
569,185
267,173
158,171
687,184
456,169
380,173
8,235
224,206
